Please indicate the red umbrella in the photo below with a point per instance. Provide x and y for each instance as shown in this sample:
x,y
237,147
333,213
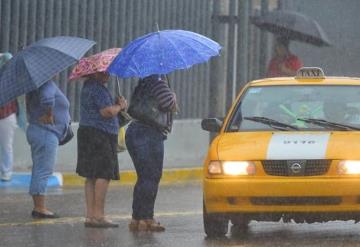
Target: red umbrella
x,y
98,62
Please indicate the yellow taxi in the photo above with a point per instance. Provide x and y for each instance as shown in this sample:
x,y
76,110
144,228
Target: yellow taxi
x,y
288,149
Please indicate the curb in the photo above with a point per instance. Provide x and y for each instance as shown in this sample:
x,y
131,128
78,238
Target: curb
x,y
169,176
21,180
129,177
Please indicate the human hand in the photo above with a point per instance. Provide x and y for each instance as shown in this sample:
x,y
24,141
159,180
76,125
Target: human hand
x,y
122,102
47,118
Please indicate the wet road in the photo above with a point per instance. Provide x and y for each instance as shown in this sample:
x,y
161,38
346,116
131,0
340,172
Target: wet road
x,y
178,208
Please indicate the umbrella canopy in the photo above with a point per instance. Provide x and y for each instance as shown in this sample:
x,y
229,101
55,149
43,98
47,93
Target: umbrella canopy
x,y
292,25
163,52
98,62
39,62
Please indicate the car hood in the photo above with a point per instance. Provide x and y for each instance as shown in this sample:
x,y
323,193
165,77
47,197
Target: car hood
x,y
289,145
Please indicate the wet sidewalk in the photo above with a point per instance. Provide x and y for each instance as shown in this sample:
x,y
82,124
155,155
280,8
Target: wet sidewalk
x,y
176,207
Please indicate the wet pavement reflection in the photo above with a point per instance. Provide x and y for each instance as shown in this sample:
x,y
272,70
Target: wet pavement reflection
x,y
178,208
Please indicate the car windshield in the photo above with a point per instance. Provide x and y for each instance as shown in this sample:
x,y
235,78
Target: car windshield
x,y
307,107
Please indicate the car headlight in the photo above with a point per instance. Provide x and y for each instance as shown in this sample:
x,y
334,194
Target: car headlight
x,y
233,168
349,167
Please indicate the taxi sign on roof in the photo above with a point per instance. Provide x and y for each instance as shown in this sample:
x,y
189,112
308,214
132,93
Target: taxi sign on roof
x,y
310,72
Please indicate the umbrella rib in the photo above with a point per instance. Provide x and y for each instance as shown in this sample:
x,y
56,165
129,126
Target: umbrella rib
x,y
182,57
130,62
16,81
56,51
201,55
195,40
132,58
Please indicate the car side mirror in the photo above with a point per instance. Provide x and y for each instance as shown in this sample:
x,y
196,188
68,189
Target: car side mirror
x,y
211,124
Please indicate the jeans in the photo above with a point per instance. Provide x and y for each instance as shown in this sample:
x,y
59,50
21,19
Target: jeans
x,y
44,145
146,148
7,131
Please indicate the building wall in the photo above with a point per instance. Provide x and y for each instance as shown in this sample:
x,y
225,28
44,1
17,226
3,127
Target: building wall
x,y
185,147
111,23
340,20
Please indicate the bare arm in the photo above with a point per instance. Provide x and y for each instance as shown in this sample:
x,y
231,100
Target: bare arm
x,y
112,111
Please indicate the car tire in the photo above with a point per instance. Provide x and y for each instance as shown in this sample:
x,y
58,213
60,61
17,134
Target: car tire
x,y
214,226
240,226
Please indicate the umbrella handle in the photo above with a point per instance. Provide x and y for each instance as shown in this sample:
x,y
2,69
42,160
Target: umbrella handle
x,y
126,116
118,86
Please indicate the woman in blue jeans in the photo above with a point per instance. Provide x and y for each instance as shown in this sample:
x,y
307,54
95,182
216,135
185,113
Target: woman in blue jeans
x,y
145,144
48,113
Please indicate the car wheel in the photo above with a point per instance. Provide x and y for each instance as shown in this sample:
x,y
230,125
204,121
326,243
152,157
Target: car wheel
x,y
214,226
240,226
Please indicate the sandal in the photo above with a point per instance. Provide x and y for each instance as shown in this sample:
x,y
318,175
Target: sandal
x,y
133,225
155,226
88,222
150,225
101,223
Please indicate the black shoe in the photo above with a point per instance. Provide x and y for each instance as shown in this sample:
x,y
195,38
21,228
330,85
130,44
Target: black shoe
x,y
39,215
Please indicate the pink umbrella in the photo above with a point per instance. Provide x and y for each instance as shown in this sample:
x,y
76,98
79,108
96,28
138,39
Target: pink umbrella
x,y
95,63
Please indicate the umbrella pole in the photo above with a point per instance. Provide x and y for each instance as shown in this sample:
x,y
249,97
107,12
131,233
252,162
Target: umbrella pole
x,y
126,116
118,86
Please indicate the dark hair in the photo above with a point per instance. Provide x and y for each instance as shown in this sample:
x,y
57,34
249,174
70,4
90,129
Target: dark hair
x,y
284,41
154,77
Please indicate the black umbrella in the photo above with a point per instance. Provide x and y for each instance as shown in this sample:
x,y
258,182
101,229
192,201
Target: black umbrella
x,y
292,25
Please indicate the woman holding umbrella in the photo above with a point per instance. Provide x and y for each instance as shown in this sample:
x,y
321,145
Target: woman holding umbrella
x,y
145,143
284,63
48,112
97,135
150,57
289,25
47,107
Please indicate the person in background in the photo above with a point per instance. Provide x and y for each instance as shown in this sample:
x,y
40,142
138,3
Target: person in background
x,y
145,144
97,145
48,117
283,63
7,131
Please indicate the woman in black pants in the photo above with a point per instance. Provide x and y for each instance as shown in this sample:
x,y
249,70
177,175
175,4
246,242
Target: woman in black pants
x,y
145,143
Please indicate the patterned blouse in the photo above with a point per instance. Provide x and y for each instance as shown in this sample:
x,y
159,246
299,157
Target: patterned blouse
x,y
94,97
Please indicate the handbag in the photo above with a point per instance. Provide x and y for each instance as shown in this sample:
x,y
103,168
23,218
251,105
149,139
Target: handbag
x,y
144,107
69,134
124,118
121,145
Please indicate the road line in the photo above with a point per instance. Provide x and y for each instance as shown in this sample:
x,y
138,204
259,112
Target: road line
x,y
74,220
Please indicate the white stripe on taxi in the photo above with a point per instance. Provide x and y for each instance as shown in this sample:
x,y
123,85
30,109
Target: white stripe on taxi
x,y
284,146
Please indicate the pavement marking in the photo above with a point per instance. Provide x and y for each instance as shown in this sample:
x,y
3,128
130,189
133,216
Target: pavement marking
x,y
73,220
129,177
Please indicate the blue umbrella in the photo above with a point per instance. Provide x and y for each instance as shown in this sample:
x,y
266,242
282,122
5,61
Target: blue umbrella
x,y
39,62
163,52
